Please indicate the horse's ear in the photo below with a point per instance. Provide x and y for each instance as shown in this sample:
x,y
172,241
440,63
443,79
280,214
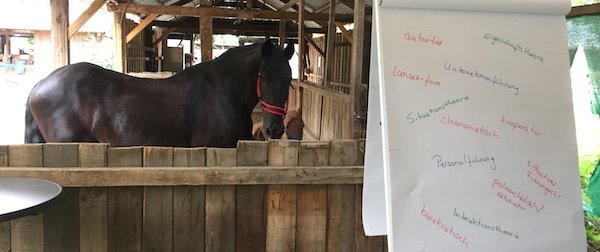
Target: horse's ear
x,y
267,48
289,50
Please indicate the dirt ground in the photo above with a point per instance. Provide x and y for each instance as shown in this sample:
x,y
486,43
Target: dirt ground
x,y
14,89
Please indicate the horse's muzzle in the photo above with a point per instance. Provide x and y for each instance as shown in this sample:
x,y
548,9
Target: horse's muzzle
x,y
273,130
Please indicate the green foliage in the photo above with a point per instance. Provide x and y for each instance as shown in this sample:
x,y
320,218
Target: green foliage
x,y
587,164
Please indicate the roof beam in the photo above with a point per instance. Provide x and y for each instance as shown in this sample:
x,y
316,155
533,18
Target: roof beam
x,y
140,27
347,34
312,42
288,5
219,12
85,16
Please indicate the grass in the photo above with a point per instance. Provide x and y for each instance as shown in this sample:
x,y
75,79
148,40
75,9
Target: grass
x,y
587,164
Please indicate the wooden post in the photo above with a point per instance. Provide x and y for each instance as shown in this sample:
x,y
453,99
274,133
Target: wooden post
x,y
93,230
282,24
220,205
61,220
59,31
356,68
189,204
301,49
341,200
206,32
281,199
27,233
329,46
250,232
312,201
125,204
120,55
157,222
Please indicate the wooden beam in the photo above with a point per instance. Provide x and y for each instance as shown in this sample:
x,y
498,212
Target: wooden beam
x,y
178,176
329,47
287,5
356,65
584,10
219,12
206,33
347,34
312,42
85,16
120,55
163,36
140,27
282,24
301,51
59,31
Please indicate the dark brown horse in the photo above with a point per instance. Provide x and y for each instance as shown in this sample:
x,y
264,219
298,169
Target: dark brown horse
x,y
209,104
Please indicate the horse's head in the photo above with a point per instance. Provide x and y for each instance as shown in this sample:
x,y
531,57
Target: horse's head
x,y
274,79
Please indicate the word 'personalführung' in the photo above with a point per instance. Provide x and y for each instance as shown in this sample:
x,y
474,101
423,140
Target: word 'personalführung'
x,y
466,160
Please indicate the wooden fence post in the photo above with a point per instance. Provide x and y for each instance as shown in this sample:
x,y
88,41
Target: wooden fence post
x,y
220,205
341,201
312,201
93,216
27,233
250,231
281,199
189,204
125,204
61,220
157,223
4,226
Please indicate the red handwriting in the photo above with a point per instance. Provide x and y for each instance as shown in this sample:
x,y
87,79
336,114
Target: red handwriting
x,y
541,179
478,130
447,229
429,81
518,199
522,127
423,38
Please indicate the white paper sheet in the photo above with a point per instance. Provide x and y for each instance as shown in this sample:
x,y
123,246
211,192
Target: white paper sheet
x,y
478,130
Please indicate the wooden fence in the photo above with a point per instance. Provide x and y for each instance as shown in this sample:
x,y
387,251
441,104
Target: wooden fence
x,y
260,196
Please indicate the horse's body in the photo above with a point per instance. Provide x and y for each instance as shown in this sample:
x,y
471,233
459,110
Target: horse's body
x,y
209,104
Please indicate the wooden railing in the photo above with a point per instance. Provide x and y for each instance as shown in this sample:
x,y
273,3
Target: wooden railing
x,y
260,196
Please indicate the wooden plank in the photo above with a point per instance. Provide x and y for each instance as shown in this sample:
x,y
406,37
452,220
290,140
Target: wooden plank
x,y
329,50
188,204
165,176
157,232
93,229
308,38
281,199
589,9
287,5
220,205
85,16
61,220
356,69
301,43
59,32
341,200
206,33
4,226
140,27
120,49
26,233
347,34
250,231
312,201
125,204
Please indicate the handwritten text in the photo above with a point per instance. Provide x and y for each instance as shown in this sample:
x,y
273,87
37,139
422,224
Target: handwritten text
x,y
514,198
542,179
422,38
467,126
428,81
416,116
520,126
448,230
467,159
478,222
492,80
516,47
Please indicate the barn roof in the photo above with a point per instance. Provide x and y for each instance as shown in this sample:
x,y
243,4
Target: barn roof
x,y
256,25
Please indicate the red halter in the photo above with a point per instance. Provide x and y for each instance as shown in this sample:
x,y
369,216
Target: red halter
x,y
269,108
